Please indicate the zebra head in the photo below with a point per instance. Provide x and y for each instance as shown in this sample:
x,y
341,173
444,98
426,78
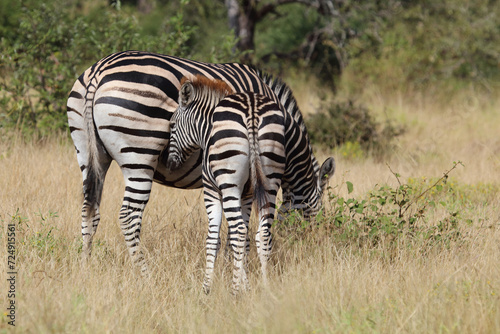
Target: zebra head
x,y
180,141
306,196
198,98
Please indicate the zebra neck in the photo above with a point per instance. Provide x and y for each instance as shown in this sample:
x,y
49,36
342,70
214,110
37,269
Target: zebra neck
x,y
301,177
303,184
202,129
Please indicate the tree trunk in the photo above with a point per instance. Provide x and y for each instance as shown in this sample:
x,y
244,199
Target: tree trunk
x,y
242,20
144,6
247,21
233,13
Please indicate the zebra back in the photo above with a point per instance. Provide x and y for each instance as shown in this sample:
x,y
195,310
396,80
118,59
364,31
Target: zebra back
x,y
287,100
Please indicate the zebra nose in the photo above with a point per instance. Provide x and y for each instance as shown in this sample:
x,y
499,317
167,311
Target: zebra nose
x,y
173,162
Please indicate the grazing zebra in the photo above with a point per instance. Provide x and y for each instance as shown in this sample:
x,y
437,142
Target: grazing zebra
x,y
304,181
246,154
119,109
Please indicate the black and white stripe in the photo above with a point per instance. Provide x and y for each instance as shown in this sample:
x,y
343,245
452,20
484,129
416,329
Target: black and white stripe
x,y
304,180
120,109
244,138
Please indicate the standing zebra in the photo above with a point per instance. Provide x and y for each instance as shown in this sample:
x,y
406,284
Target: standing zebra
x,y
245,155
120,109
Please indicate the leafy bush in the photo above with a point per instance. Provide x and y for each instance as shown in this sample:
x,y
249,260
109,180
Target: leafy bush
x,y
458,194
351,150
388,215
348,123
285,33
430,42
53,44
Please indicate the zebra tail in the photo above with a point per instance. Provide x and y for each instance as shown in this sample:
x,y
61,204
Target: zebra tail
x,y
95,173
258,179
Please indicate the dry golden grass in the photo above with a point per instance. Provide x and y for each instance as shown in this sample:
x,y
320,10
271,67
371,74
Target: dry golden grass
x,y
318,284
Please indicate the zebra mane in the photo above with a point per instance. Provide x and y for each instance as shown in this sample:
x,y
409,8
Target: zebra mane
x,y
205,85
287,100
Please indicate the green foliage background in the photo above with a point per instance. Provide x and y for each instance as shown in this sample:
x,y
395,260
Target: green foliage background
x,y
395,44
423,42
45,47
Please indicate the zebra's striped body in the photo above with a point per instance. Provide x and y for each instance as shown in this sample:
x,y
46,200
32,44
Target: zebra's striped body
x,y
244,138
304,180
120,109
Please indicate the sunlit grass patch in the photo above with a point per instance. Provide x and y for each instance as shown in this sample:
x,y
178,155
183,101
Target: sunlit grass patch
x,y
367,264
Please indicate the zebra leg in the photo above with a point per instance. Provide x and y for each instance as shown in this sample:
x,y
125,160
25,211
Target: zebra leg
x,y
137,191
263,237
92,190
90,221
238,232
245,211
263,240
274,169
214,212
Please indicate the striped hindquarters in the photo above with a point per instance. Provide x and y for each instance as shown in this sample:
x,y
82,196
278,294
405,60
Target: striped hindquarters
x,y
253,121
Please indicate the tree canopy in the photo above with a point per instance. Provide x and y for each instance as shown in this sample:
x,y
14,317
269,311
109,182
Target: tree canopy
x,y
45,46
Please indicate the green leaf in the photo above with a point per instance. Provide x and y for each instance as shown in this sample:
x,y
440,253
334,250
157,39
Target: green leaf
x,y
350,187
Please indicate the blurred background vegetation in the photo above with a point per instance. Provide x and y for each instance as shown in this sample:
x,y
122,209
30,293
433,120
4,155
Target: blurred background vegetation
x,y
396,44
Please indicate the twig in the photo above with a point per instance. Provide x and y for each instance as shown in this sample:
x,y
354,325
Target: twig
x,y
45,275
444,177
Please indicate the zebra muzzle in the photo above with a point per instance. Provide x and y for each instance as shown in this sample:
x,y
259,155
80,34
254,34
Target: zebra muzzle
x,y
173,162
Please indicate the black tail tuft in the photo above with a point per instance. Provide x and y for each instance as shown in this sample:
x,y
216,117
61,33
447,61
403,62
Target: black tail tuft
x,y
259,190
92,187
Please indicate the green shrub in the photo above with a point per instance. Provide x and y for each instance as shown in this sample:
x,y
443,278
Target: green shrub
x,y
53,44
351,150
348,123
40,237
388,215
444,43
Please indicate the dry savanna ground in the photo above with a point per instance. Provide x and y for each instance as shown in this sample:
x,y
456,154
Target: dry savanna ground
x,y
441,275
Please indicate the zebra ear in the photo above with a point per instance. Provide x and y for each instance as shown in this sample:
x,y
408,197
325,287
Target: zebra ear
x,y
326,172
186,94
